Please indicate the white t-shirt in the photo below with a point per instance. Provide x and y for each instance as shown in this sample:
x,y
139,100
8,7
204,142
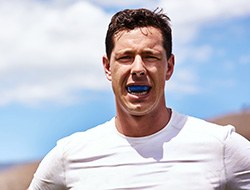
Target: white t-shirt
x,y
188,154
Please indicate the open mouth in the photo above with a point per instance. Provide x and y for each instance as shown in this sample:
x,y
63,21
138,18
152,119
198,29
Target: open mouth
x,y
138,89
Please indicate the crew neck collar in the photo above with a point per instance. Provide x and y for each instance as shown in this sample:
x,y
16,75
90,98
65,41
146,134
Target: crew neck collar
x,y
148,137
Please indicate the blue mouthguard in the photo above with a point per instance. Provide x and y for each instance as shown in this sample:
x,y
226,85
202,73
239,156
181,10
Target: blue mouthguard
x,y
138,88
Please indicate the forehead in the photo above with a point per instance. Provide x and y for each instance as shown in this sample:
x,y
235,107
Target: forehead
x,y
142,36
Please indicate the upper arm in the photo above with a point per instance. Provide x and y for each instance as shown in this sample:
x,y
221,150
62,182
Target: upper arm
x,y
50,173
237,162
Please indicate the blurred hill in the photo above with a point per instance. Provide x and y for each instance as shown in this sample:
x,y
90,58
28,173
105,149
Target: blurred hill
x,y
241,122
19,176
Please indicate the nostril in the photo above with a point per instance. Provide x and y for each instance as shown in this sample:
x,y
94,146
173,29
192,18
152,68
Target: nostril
x,y
138,73
142,73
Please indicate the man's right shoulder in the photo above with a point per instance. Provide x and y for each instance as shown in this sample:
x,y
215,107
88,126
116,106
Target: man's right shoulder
x,y
85,137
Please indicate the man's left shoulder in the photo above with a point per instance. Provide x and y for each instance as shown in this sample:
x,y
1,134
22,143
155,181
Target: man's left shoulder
x,y
207,128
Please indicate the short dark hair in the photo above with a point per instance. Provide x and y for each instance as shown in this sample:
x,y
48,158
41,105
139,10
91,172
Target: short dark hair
x,y
130,19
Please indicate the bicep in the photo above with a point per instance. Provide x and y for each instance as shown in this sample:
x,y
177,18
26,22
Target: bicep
x,y
237,161
50,172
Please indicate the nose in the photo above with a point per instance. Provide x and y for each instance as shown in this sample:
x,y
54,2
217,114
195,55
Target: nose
x,y
138,68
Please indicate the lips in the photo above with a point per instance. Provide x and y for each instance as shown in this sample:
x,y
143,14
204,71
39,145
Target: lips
x,y
138,89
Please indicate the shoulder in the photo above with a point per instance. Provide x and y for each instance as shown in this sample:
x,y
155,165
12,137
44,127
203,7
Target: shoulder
x,y
201,128
82,139
217,131
234,148
52,167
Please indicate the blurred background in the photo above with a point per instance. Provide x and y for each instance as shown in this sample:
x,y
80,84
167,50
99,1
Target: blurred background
x,y
52,83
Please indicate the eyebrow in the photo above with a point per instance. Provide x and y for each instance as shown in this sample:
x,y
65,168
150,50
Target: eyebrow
x,y
144,51
151,51
124,51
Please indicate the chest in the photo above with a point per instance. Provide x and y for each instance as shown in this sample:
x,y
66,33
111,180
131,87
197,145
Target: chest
x,y
158,167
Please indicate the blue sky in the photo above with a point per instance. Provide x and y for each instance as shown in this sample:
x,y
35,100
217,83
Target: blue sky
x,y
51,78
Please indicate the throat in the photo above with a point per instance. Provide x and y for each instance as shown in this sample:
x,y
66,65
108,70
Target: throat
x,y
141,126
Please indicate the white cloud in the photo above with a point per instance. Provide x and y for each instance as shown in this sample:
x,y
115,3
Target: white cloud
x,y
197,53
244,59
183,82
111,4
187,18
49,51
52,49
189,15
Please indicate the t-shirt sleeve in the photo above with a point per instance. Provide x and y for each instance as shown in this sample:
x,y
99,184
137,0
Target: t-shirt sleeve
x,y
50,174
237,162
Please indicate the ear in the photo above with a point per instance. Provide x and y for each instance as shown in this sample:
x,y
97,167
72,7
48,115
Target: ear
x,y
106,67
170,67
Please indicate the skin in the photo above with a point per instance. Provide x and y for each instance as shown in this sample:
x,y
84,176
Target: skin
x,y
138,58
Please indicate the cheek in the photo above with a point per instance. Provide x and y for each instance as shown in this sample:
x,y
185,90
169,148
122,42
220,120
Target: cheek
x,y
163,73
159,74
119,72
118,79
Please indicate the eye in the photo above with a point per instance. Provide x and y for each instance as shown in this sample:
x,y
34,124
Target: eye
x,y
125,59
150,58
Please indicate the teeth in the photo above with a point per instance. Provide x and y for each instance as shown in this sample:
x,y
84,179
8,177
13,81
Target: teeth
x,y
139,90
138,93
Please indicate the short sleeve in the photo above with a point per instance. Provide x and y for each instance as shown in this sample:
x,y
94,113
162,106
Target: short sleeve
x,y
237,162
50,173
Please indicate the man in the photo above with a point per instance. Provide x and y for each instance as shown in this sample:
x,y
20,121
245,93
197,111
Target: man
x,y
147,145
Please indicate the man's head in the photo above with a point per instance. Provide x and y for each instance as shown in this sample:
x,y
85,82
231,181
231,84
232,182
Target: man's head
x,y
139,60
130,19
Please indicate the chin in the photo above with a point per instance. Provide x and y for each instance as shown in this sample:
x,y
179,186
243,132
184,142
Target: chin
x,y
139,111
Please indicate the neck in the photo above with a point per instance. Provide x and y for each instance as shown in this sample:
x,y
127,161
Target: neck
x,y
139,126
